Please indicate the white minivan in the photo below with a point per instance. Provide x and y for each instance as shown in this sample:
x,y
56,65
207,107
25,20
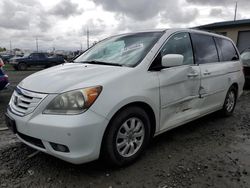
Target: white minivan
x,y
123,91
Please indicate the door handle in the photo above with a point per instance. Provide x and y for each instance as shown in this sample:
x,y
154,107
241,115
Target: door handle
x,y
193,74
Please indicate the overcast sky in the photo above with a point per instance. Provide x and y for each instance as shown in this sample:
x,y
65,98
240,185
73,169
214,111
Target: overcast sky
x,y
62,23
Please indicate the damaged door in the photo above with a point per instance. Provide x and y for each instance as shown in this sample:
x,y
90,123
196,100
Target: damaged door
x,y
179,86
214,73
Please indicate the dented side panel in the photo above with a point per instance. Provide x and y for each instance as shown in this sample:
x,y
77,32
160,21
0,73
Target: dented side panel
x,y
179,94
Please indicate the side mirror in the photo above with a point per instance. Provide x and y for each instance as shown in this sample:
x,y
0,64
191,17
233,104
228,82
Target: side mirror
x,y
172,60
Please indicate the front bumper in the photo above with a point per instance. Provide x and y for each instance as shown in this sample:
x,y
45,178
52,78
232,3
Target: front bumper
x,y
82,134
13,63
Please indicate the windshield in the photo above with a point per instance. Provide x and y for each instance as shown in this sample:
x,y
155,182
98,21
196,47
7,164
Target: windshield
x,y
26,55
124,50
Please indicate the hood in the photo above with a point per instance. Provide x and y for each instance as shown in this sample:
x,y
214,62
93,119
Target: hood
x,y
70,76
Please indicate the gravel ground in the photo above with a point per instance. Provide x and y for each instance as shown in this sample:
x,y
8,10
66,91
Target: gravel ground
x,y
209,152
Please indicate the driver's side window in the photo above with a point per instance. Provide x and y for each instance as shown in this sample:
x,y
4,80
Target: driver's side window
x,y
34,56
177,44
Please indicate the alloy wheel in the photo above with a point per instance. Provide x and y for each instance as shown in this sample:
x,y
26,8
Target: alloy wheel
x,y
130,137
230,101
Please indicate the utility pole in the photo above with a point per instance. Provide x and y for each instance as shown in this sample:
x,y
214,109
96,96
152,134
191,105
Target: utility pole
x,y
36,44
87,38
235,11
10,47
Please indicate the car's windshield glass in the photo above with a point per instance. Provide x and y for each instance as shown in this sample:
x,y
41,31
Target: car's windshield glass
x,y
124,50
26,55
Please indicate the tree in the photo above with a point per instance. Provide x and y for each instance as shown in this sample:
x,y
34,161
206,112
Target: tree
x,y
2,49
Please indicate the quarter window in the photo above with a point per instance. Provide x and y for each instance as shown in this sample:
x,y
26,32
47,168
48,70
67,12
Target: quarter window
x,y
204,49
226,50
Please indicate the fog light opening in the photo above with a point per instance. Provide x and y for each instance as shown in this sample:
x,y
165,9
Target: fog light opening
x,y
59,147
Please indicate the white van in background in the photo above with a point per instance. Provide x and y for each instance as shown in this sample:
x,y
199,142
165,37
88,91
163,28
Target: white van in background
x,y
123,91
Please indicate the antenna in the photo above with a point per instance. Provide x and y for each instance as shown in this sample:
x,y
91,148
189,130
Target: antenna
x,y
235,11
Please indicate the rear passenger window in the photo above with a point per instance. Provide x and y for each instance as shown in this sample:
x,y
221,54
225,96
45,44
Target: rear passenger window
x,y
204,49
226,50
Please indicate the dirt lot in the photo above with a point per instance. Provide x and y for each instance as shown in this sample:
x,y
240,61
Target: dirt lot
x,y
210,152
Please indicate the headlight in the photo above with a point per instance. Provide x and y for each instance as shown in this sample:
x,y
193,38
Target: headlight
x,y
73,102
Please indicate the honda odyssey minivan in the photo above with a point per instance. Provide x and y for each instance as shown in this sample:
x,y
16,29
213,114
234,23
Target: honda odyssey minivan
x,y
123,91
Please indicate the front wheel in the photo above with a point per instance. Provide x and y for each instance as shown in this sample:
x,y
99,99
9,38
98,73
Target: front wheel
x,y
15,67
230,102
22,66
127,136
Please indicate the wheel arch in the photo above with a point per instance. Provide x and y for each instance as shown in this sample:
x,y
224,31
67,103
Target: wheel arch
x,y
148,109
236,86
22,62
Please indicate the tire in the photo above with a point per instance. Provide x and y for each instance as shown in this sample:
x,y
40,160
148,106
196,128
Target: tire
x,y
230,102
22,66
127,137
15,67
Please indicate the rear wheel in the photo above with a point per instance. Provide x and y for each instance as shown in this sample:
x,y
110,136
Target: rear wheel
x,y
230,102
22,66
127,136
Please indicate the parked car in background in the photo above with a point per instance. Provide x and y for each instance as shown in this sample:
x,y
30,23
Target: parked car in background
x,y
34,60
6,58
245,56
3,77
125,90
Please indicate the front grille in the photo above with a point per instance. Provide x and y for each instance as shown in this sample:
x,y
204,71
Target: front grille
x,y
35,141
24,102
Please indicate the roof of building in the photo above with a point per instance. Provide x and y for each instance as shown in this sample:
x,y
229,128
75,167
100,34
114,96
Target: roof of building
x,y
227,24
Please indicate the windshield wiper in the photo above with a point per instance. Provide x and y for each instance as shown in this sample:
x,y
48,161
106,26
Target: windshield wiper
x,y
102,63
